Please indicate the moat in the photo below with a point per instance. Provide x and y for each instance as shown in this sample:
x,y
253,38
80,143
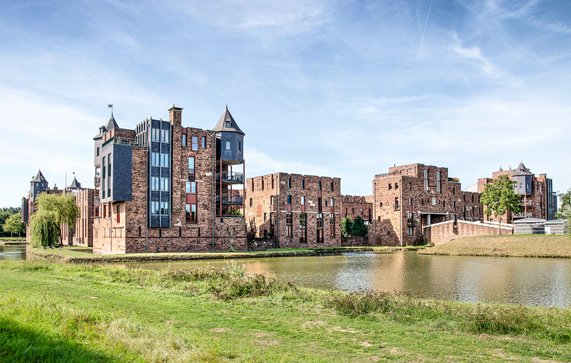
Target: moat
x,y
527,281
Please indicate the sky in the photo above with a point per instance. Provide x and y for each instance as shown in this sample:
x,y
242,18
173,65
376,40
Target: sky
x,y
334,88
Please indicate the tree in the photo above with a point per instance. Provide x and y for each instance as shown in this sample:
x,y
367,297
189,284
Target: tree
x,y
59,208
14,225
564,211
359,227
499,198
44,231
346,227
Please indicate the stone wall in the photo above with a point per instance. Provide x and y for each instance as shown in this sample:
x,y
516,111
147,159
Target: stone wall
x,y
446,231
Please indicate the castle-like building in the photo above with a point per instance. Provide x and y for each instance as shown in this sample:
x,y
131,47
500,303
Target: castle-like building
x,y
163,187
538,200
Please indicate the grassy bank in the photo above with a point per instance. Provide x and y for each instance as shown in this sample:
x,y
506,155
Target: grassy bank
x,y
505,246
85,255
65,312
12,241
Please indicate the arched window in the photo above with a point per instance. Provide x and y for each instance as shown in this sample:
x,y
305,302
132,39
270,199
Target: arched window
x,y
227,145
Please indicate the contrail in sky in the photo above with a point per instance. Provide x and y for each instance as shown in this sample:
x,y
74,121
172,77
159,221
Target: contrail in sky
x,y
424,32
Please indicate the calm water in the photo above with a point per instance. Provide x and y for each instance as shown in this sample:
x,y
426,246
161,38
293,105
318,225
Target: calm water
x,y
17,252
528,281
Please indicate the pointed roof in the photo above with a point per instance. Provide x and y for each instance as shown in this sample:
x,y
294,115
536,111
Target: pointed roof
x,y
75,184
112,123
227,123
521,170
39,178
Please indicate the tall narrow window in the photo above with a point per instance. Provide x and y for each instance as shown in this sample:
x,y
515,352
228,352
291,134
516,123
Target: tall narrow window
x,y
425,177
227,145
289,224
239,146
118,214
319,185
438,186
289,199
289,181
332,225
184,140
303,183
203,141
302,200
332,186
191,163
194,143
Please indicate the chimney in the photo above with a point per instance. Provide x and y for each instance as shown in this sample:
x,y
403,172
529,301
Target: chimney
x,y
175,116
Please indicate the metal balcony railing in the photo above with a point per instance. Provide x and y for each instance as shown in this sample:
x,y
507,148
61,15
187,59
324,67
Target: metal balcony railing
x,y
232,200
232,178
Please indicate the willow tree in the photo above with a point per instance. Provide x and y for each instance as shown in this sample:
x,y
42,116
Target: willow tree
x,y
499,198
57,208
44,231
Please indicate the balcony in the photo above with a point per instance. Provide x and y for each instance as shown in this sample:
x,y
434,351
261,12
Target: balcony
x,y
232,178
232,200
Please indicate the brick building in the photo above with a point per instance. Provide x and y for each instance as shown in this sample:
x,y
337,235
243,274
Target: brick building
x,y
294,210
409,197
357,205
538,200
163,187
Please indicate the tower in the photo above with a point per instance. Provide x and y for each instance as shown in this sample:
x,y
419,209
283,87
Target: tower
x,y
230,166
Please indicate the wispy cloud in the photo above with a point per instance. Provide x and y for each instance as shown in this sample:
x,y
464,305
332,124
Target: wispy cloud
x,y
475,54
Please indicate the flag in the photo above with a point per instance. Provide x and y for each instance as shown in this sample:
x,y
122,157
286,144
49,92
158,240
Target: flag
x,y
109,106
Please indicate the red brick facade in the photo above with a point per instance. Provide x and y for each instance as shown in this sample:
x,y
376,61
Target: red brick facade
x,y
294,210
357,205
122,227
410,197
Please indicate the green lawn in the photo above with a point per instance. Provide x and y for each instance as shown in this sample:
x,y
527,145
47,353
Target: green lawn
x,y
535,245
64,312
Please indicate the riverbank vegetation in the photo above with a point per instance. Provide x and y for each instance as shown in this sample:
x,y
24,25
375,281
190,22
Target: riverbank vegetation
x,y
86,255
537,245
65,312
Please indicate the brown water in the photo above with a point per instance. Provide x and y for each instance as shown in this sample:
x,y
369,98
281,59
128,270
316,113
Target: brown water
x,y
527,281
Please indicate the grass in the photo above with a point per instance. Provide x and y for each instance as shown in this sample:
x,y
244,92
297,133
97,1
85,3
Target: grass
x,y
85,254
505,246
66,312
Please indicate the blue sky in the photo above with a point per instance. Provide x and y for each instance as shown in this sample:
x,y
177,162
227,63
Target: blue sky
x,y
336,88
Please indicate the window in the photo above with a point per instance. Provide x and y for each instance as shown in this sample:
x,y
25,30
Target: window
x,y
203,141
228,124
411,231
303,183
184,140
154,207
164,208
302,200
319,185
303,227
332,225
165,136
332,186
194,141
272,182
227,145
396,185
262,183
410,202
434,201
397,203
251,201
289,223
425,176
438,181
118,214
98,151
192,187
165,184
289,181
289,199
104,165
155,183
164,160
187,187
191,164
155,135
239,145
190,213
390,186
155,159
109,165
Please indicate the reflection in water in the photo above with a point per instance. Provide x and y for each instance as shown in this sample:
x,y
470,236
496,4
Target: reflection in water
x,y
528,281
15,252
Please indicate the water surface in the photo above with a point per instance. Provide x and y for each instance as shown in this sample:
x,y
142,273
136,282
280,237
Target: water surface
x,y
528,281
14,252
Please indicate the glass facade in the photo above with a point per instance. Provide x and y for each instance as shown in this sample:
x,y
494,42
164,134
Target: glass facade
x,y
160,174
